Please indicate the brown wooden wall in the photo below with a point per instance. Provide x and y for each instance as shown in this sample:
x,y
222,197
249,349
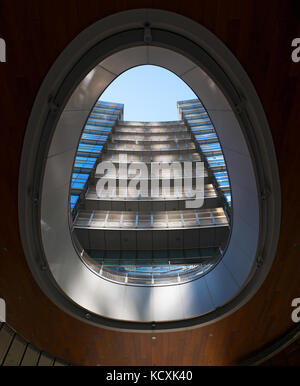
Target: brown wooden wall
x,y
259,33
290,356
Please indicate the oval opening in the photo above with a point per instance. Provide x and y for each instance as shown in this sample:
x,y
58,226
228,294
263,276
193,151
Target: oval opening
x,y
150,197
146,298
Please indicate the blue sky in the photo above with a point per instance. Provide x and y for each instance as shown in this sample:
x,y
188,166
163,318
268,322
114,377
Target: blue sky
x,y
149,93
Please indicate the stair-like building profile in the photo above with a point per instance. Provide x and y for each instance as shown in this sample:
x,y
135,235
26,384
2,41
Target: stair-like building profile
x,y
16,351
144,235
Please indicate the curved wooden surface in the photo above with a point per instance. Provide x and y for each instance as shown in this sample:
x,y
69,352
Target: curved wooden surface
x,y
260,35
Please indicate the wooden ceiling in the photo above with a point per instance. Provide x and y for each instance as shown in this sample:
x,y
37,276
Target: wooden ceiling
x,y
260,35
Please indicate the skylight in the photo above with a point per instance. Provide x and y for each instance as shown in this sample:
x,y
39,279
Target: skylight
x,y
149,93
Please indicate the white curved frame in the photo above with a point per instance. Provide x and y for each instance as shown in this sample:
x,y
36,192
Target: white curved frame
x,y
255,223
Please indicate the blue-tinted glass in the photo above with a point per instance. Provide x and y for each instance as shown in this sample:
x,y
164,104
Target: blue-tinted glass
x,y
228,197
73,199
205,137
98,128
211,147
94,137
85,148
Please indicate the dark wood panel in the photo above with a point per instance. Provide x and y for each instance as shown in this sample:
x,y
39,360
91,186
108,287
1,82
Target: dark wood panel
x,y
259,34
290,356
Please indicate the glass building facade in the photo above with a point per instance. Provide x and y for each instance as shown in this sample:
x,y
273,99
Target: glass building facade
x,y
203,131
135,238
95,134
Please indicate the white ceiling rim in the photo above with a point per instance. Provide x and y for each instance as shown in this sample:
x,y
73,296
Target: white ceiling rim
x,y
249,215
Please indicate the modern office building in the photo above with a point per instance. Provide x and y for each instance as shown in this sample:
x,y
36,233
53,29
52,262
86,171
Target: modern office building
x,y
95,135
136,236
